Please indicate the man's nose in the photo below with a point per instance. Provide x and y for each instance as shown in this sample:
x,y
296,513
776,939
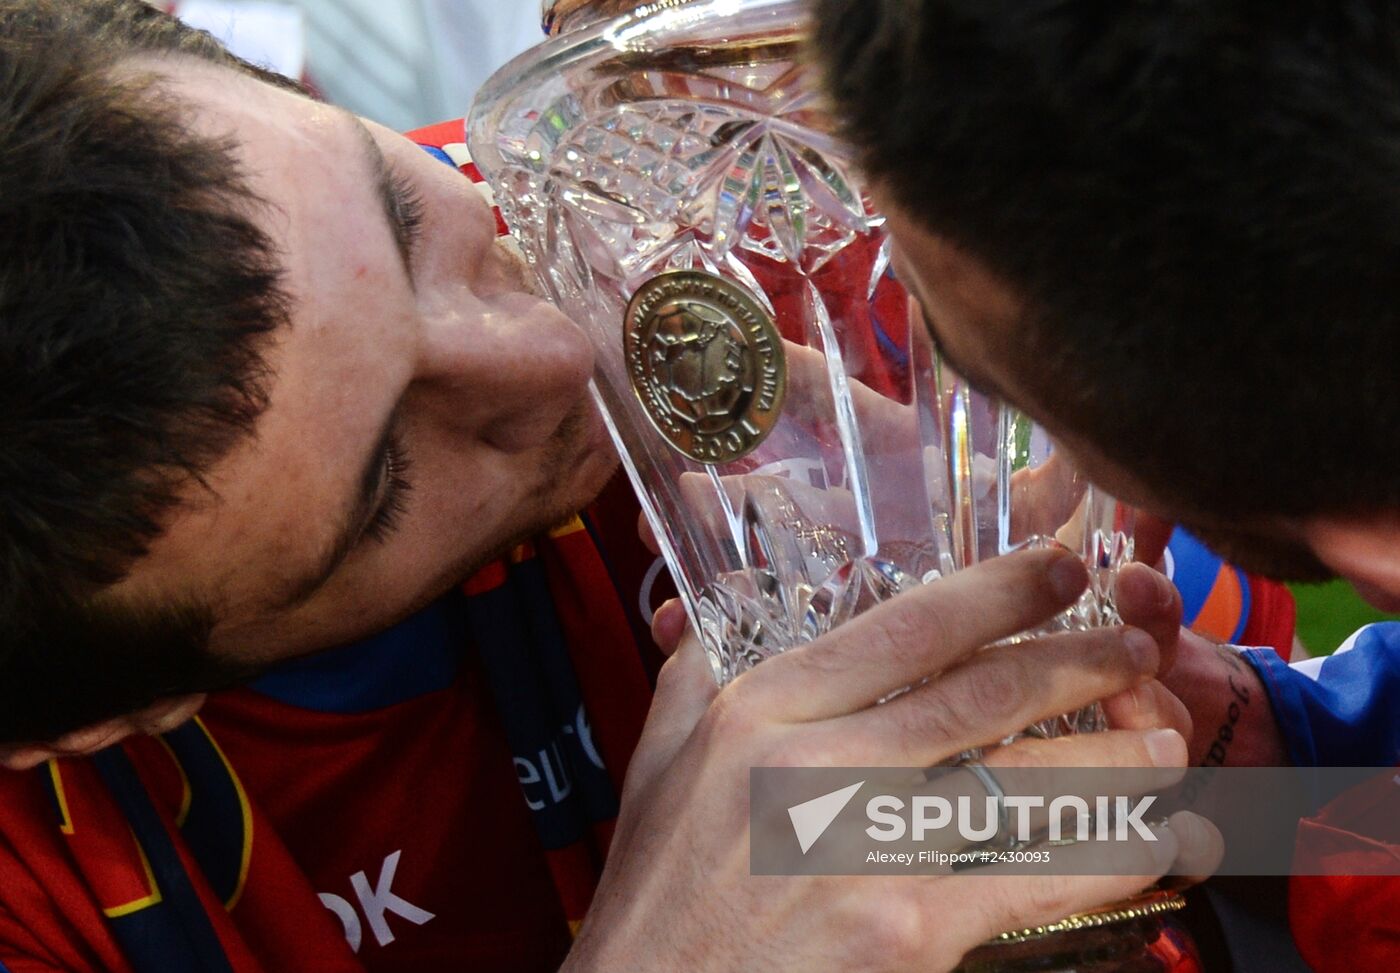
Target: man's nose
x,y
506,370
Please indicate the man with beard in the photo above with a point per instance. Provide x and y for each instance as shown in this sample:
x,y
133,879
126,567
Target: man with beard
x,y
1168,231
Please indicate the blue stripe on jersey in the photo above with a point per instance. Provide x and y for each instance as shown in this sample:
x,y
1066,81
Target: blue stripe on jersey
x,y
216,824
1246,605
527,662
438,154
1196,569
176,933
1347,715
414,658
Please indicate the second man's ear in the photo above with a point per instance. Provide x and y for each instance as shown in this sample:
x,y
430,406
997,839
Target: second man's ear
x,y
1364,550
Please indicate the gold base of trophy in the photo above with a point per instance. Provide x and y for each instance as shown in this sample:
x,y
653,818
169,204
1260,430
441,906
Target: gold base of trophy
x,y
1114,938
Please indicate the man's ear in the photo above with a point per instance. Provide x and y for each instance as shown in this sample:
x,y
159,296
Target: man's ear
x,y
1364,550
159,717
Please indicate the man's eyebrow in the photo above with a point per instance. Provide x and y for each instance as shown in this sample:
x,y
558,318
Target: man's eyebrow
x,y
357,514
389,193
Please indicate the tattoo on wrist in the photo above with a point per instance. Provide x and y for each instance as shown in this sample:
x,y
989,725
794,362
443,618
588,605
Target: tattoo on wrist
x,y
1230,656
1239,701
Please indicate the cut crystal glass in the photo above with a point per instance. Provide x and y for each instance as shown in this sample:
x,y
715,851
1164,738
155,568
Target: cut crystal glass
x,y
691,138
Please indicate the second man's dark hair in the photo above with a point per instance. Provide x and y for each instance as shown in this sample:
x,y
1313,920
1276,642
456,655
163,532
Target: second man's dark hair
x,y
1198,203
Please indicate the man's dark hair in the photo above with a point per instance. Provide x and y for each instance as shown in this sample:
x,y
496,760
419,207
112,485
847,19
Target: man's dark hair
x,y
1197,202
136,297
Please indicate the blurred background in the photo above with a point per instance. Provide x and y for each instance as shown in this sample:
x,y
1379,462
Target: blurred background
x,y
405,63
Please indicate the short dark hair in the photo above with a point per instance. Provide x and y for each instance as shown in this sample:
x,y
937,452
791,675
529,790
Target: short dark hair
x,y
1198,204
136,299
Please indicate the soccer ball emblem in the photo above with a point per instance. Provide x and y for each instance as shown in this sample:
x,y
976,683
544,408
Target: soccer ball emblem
x,y
701,363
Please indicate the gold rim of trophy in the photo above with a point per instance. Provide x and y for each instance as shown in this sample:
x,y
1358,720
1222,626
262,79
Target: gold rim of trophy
x,y
564,16
561,15
1156,903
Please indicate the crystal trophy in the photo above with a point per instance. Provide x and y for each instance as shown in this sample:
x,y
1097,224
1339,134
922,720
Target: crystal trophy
x,y
798,447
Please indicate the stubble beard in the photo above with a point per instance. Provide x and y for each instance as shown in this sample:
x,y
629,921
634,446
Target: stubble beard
x,y
573,470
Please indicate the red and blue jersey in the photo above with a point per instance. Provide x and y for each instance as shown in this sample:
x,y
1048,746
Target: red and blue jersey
x,y
436,797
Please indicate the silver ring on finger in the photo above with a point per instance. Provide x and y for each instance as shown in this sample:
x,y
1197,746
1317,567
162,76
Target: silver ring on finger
x,y
1003,840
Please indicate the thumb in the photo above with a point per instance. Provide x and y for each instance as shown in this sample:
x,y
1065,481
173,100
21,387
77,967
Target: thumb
x,y
684,691
647,535
668,626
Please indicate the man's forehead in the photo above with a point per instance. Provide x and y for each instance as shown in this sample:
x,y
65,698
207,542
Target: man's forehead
x,y
219,101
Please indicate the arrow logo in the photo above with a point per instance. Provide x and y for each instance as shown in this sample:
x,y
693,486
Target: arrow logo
x,y
811,818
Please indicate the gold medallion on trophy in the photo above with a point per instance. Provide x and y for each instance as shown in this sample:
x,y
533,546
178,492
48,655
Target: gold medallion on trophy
x,y
706,362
